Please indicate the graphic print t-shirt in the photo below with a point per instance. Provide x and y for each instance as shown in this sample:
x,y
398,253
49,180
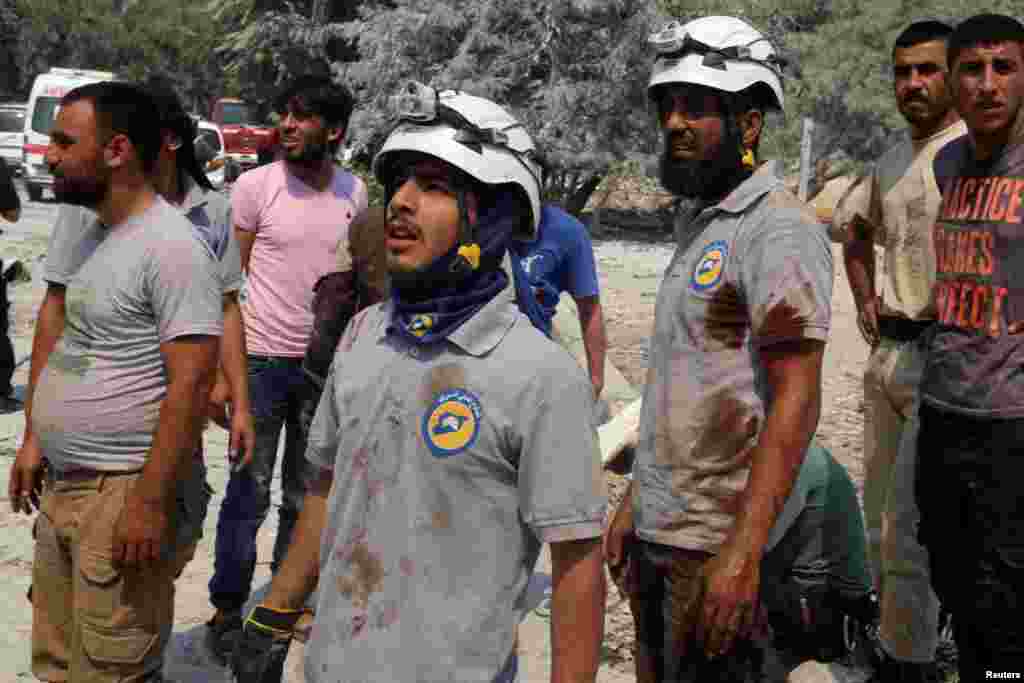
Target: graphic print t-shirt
x,y
974,365
560,260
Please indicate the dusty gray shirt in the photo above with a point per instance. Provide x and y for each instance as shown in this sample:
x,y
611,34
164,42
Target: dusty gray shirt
x,y
148,281
452,465
77,233
751,271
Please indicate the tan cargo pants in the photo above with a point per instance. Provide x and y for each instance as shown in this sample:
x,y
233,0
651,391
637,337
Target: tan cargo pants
x,y
910,610
92,621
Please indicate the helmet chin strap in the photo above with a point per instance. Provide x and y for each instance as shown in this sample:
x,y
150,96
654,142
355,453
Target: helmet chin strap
x,y
467,257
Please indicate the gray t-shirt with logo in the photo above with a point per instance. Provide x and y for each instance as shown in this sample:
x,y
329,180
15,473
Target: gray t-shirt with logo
x,y
146,282
751,271
452,464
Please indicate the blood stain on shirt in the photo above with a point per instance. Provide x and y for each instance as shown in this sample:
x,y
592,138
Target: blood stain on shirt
x,y
726,318
442,378
367,576
786,317
728,425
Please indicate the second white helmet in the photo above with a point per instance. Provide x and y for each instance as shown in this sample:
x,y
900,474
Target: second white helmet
x,y
472,134
724,53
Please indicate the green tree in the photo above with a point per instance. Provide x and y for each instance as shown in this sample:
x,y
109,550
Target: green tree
x,y
572,70
136,39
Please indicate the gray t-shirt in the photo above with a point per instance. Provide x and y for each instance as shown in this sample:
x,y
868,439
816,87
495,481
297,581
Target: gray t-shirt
x,y
452,465
148,281
751,271
77,233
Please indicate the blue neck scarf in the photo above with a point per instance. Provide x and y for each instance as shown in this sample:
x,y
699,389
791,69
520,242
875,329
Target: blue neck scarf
x,y
428,314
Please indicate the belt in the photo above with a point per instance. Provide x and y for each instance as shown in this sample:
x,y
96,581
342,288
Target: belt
x,y
81,474
902,329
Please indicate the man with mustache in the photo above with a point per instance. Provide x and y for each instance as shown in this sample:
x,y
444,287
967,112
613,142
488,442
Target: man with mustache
x,y
969,464
895,209
452,440
733,391
289,218
179,179
118,407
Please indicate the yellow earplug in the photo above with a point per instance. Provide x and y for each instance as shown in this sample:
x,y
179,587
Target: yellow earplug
x,y
471,252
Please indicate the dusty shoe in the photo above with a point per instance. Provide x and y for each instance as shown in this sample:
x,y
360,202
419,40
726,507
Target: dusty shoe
x,y
222,632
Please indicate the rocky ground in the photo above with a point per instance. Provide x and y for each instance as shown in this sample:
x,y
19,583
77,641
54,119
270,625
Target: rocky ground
x,y
630,272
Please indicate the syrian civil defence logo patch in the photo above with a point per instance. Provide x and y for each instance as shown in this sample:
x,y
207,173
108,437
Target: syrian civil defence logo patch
x,y
452,423
710,266
421,324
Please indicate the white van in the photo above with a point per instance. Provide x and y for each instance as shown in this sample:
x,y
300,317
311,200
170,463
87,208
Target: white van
x,y
43,104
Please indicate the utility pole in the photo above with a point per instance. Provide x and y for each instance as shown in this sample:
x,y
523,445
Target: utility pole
x,y
805,159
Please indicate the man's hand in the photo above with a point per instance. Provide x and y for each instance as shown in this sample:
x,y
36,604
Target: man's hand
x,y
140,532
217,409
243,438
867,322
617,538
260,653
26,482
730,607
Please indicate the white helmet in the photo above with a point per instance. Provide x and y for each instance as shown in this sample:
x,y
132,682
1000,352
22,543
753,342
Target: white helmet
x,y
473,134
723,53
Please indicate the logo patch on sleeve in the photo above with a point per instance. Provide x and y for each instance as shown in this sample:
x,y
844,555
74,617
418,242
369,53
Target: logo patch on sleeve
x,y
452,423
710,267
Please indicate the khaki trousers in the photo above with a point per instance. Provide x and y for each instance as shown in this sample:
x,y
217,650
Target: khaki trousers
x,y
899,563
93,621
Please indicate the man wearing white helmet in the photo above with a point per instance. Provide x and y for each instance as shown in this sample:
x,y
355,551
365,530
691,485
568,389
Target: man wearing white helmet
x,y
452,438
733,389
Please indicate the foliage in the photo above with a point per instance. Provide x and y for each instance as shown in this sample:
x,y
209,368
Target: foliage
x,y
261,52
10,32
572,70
137,39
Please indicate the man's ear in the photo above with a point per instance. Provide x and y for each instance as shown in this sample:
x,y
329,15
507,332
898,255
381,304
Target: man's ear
x,y
118,151
751,124
472,207
335,134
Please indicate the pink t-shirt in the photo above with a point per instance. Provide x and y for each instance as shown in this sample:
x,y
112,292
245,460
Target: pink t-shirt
x,y
297,234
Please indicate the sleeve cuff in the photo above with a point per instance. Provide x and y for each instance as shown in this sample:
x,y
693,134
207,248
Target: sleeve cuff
x,y
56,278
577,531
197,331
320,457
815,332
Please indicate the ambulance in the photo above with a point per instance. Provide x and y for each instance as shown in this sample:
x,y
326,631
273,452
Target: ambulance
x,y
43,104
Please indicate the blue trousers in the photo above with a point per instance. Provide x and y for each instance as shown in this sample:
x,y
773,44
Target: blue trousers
x,y
280,394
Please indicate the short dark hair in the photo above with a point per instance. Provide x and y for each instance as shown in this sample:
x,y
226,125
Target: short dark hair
x,y
981,29
127,109
922,31
318,95
175,119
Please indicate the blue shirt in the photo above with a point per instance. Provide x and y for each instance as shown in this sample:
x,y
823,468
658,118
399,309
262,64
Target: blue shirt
x,y
561,259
